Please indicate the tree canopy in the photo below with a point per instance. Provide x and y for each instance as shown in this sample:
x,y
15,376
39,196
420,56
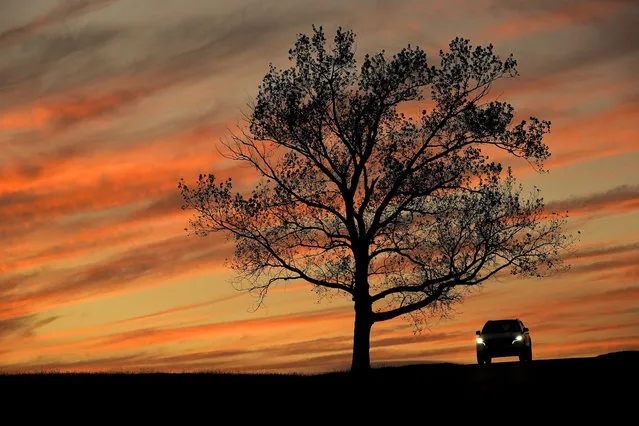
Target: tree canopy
x,y
403,212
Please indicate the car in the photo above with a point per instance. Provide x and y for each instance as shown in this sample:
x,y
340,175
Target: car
x,y
503,338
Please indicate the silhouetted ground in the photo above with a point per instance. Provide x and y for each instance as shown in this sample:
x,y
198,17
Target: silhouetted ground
x,y
577,387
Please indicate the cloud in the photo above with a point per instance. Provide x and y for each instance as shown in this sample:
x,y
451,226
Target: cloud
x,y
602,249
58,195
319,355
592,32
613,327
64,11
105,108
9,283
153,336
189,43
139,266
606,40
60,115
159,317
606,296
606,130
621,199
110,363
22,327
567,316
614,295
545,17
595,314
139,206
591,347
414,340
156,339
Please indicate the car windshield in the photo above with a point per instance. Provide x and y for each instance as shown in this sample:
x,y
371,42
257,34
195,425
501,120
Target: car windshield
x,y
501,327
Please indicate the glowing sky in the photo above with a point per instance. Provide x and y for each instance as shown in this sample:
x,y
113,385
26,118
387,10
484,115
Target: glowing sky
x,y
104,105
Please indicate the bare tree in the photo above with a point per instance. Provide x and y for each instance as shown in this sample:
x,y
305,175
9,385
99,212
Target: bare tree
x,y
402,213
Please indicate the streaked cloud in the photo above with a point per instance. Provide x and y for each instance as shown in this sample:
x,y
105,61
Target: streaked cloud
x,y
22,327
56,15
106,104
624,198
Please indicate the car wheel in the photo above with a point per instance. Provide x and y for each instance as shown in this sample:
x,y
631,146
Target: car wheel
x,y
488,360
526,356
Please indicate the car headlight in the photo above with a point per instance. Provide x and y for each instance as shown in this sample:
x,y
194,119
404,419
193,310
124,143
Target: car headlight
x,y
519,338
480,341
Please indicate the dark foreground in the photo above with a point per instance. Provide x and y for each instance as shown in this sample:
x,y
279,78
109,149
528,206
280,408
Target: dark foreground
x,y
577,387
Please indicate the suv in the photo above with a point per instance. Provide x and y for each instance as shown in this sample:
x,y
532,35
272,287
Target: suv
x,y
502,338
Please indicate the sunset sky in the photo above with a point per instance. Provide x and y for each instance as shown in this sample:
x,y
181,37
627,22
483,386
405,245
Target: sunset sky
x,y
106,104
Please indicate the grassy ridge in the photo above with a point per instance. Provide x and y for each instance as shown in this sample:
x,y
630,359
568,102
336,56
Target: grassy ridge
x,y
620,366
583,388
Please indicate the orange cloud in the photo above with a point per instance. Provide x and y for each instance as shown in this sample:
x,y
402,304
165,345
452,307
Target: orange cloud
x,y
58,115
166,337
84,216
22,327
601,248
577,303
150,337
137,320
61,13
133,195
590,347
172,156
574,137
622,199
452,341
613,124
35,117
566,316
577,139
142,265
558,18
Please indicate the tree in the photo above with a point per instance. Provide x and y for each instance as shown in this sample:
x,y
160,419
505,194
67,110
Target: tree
x,y
403,214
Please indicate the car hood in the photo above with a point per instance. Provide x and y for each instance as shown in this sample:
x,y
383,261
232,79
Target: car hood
x,y
489,336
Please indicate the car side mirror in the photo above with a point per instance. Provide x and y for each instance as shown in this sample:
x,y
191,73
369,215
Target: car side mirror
x,y
525,329
478,332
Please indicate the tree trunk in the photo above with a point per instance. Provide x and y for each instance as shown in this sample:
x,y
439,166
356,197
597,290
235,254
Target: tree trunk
x,y
362,337
363,313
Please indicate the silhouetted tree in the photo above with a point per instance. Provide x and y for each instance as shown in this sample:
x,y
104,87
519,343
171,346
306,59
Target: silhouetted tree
x,y
402,213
